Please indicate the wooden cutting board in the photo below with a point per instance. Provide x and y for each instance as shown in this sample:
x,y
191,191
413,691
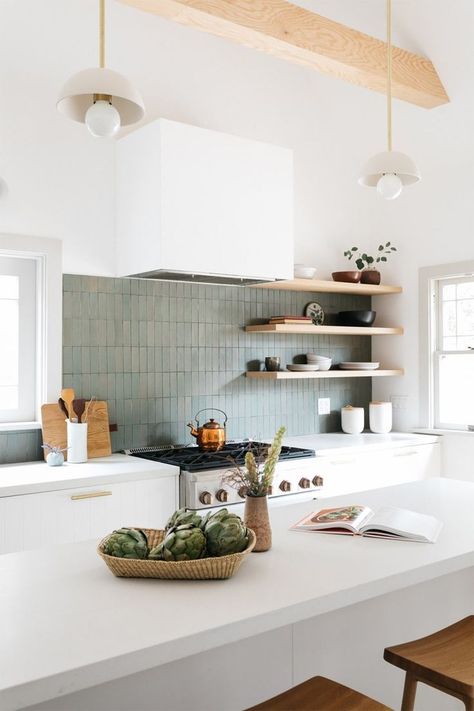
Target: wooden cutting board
x,y
98,433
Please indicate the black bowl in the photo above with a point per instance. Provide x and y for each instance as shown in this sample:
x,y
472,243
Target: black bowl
x,y
356,318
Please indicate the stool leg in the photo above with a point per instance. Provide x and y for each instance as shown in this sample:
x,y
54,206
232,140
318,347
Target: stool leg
x,y
409,691
469,704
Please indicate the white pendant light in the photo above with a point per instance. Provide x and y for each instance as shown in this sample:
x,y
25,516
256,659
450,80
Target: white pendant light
x,y
102,99
391,170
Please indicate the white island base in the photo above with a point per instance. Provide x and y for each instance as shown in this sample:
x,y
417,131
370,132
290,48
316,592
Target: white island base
x,y
314,604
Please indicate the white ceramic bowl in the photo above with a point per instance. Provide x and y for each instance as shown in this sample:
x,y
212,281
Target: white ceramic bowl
x,y
300,271
323,362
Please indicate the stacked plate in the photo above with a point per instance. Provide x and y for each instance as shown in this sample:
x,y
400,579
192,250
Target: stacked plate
x,y
323,362
302,367
358,366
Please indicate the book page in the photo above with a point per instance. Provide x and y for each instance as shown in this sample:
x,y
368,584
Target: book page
x,y
346,517
404,524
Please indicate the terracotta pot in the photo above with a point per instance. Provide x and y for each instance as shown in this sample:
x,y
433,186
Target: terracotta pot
x,y
371,276
353,277
256,517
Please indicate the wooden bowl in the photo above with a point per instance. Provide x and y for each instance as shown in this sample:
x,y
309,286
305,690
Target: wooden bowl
x,y
350,277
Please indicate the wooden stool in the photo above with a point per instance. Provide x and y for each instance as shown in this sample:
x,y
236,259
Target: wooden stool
x,y
444,660
320,694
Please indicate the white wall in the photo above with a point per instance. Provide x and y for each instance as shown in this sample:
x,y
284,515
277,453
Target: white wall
x,y
61,179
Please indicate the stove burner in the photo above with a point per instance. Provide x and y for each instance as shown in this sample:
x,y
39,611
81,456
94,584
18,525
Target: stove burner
x,y
191,459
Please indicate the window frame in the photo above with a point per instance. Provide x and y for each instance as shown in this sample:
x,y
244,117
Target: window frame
x,y
47,253
431,330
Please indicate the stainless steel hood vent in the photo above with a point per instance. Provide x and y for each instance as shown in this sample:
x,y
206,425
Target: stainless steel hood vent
x,y
194,278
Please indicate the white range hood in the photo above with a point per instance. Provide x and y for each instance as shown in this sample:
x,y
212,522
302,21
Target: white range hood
x,y
198,205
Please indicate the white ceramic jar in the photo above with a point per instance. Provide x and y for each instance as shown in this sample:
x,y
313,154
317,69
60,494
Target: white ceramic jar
x,y
352,419
380,417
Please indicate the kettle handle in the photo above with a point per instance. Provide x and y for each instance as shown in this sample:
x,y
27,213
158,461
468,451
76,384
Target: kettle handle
x,y
216,409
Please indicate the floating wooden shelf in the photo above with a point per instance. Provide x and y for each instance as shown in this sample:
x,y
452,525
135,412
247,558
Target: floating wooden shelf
x,y
330,287
324,330
307,375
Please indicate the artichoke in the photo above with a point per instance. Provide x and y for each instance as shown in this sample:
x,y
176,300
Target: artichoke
x,y
225,534
127,543
186,542
181,517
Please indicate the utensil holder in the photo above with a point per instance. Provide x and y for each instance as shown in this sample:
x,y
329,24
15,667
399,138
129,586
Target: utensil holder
x,y
76,442
380,417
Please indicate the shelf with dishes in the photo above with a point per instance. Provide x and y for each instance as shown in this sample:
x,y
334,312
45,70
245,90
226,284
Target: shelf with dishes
x,y
310,329
287,375
320,286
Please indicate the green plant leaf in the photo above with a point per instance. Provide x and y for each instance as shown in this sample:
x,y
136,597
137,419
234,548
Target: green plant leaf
x,y
359,263
383,259
394,249
370,260
355,249
380,247
388,244
378,259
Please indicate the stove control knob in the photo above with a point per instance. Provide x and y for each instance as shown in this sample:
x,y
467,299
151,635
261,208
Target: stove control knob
x,y
304,483
222,496
318,481
242,492
205,498
285,485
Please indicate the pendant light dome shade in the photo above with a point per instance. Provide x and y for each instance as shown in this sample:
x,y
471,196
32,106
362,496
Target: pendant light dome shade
x,y
77,95
389,163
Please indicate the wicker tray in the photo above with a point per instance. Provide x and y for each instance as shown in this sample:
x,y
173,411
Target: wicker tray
x,y
202,569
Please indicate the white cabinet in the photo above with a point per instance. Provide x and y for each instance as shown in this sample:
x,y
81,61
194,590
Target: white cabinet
x,y
195,201
68,515
360,471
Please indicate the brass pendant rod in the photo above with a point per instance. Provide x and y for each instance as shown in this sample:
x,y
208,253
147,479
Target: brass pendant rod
x,y
389,75
101,34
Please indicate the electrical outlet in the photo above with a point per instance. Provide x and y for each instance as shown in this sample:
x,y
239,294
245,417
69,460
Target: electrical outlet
x,y
324,406
399,402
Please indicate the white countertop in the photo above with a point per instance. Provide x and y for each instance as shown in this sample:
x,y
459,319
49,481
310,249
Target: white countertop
x,y
67,624
333,443
32,477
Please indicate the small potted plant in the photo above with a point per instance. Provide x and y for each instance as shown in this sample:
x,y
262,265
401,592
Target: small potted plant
x,y
365,262
254,481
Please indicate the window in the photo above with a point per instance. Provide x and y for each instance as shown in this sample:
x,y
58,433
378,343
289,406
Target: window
x,y
452,368
18,350
31,332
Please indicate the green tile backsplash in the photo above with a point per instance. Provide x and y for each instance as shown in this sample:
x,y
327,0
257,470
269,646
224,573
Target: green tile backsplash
x,y
160,351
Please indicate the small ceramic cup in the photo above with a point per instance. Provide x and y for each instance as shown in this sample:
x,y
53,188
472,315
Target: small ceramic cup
x,y
272,363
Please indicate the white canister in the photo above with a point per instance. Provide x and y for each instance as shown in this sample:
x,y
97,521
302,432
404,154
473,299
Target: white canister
x,y
76,442
352,419
380,417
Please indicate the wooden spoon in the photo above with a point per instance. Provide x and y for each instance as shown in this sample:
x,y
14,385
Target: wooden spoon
x,y
63,407
79,407
68,395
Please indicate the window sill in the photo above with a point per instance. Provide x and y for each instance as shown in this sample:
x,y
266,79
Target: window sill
x,y
19,426
434,431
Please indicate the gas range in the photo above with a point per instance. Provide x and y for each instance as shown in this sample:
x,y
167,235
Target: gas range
x,y
201,473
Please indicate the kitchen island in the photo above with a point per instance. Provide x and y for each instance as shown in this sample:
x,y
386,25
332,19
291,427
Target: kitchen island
x,y
76,638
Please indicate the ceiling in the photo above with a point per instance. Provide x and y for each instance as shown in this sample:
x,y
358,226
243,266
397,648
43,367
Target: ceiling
x,y
42,43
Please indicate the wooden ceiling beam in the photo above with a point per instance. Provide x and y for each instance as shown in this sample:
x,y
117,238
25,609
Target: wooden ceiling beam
x,y
297,35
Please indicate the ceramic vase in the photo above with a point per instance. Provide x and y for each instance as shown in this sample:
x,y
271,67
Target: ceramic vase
x,y
371,276
256,517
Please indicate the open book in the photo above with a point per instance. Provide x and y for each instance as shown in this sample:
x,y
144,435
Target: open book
x,y
388,522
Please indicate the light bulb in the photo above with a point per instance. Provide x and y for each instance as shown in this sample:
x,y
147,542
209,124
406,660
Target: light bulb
x,y
102,119
389,186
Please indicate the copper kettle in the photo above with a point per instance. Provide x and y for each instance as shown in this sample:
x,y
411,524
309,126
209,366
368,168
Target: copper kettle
x,y
211,436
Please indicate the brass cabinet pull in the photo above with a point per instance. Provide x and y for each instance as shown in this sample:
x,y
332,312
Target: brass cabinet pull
x,y
90,495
